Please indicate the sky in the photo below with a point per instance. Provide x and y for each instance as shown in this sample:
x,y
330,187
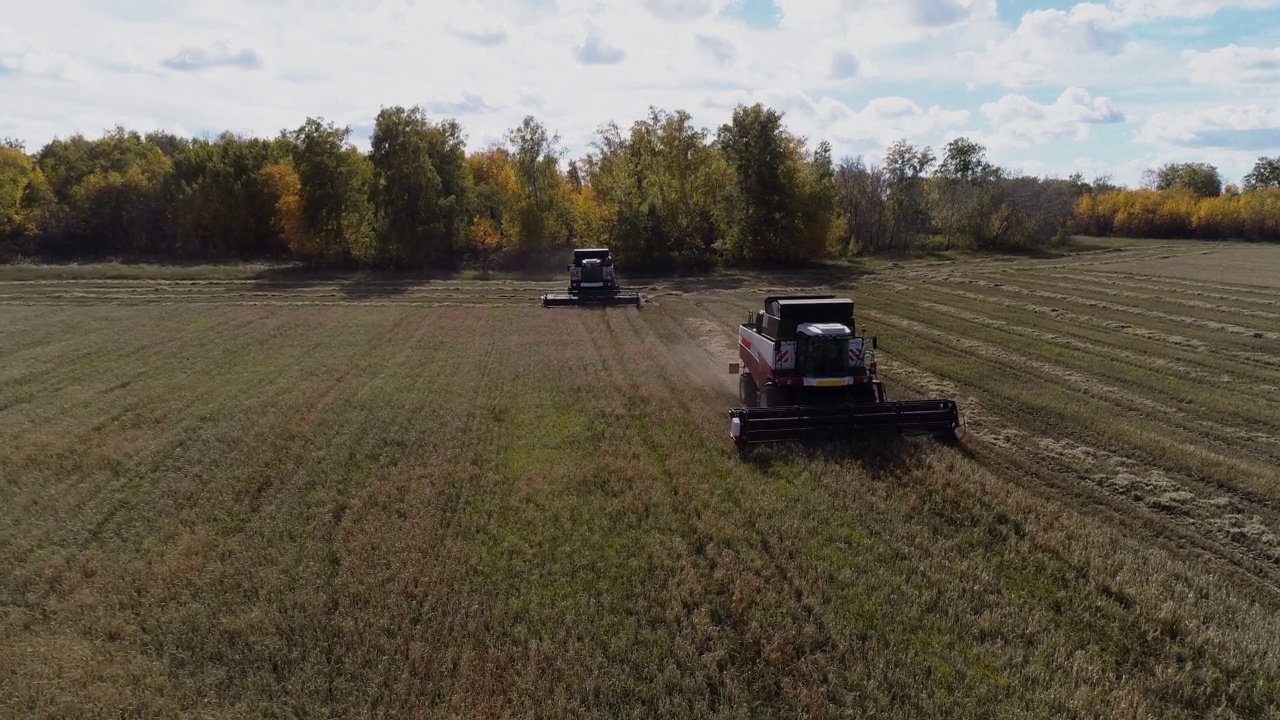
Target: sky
x,y
1050,87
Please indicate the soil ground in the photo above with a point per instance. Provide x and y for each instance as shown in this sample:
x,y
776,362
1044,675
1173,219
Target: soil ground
x,y
229,495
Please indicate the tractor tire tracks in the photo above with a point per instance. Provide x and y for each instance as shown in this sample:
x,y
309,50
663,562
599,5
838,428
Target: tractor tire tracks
x,y
1063,469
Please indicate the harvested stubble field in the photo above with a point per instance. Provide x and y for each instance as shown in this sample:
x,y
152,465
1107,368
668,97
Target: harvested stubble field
x,y
230,497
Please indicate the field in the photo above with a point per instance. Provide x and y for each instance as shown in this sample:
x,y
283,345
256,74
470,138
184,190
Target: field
x,y
233,494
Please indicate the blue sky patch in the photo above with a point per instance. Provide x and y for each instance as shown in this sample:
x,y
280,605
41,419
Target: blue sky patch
x,y
758,14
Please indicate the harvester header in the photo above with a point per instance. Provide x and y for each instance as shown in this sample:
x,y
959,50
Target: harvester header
x,y
805,371
592,281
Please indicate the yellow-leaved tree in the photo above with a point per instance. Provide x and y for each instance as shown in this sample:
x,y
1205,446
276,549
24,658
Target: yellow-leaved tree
x,y
284,186
591,219
23,193
485,240
496,195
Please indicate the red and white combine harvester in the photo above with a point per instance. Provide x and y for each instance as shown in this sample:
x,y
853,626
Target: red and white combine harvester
x,y
805,372
592,281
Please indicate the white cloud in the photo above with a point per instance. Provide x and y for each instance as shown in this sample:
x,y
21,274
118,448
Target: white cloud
x,y
480,25
218,55
830,64
23,56
887,119
1235,65
881,22
1092,42
860,73
844,65
594,50
1247,128
1048,44
719,49
682,10
1134,11
867,131
1020,121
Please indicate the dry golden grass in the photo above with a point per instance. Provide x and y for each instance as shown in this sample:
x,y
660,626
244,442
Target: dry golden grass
x,y
229,497
1235,264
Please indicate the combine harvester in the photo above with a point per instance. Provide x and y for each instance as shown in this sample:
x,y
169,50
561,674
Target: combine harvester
x,y
805,373
592,281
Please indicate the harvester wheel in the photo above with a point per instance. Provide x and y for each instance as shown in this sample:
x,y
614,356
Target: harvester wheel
x,y
867,394
771,396
948,437
748,393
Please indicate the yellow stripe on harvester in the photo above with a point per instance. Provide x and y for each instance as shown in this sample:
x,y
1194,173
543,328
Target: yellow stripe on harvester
x,y
829,383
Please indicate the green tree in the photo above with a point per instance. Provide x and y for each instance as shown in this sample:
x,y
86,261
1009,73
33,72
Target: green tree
x,y
283,188
764,221
816,204
906,166
409,193
1265,174
543,211
964,187
663,186
108,194
23,192
495,203
218,204
860,200
336,181
1201,179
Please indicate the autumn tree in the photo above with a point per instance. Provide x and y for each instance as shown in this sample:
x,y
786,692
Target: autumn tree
x,y
765,222
218,205
965,183
283,189
664,187
336,181
663,193
906,168
25,197
535,152
1265,174
419,186
815,198
446,146
107,194
1029,212
496,201
1198,178
859,193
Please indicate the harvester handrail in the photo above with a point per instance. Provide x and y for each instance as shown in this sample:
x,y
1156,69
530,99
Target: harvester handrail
x,y
770,298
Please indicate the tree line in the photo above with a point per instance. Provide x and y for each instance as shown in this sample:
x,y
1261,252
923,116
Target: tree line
x,y
1188,200
662,193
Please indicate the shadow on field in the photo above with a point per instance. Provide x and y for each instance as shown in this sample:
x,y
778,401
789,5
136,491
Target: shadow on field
x,y
352,285
875,454
815,278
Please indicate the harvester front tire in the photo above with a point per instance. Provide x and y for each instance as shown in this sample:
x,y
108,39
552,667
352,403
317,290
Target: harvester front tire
x,y
948,437
748,393
771,396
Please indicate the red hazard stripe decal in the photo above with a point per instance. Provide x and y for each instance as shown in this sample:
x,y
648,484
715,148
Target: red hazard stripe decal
x,y
746,343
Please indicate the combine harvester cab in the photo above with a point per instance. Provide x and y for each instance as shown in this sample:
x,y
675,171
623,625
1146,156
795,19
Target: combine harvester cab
x,y
592,281
805,373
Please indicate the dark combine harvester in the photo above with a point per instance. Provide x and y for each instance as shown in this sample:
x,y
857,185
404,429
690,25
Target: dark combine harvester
x,y
805,372
592,281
